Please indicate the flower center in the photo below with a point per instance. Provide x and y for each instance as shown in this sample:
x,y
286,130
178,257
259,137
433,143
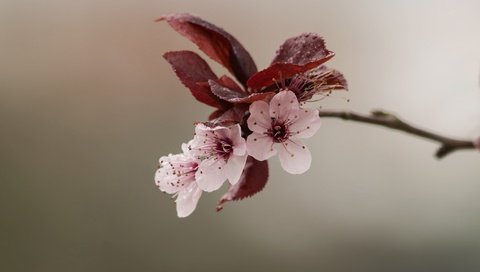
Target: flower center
x,y
224,147
279,132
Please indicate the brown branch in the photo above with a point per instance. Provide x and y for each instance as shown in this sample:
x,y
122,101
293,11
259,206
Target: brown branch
x,y
385,119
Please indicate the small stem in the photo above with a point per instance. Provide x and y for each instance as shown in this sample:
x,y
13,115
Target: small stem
x,y
385,119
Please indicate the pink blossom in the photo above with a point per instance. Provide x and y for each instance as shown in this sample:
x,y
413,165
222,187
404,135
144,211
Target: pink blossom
x,y
176,175
278,127
222,152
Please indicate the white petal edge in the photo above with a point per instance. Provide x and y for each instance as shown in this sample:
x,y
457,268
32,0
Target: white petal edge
x,y
234,168
283,104
294,156
307,123
260,147
239,144
210,175
187,200
259,119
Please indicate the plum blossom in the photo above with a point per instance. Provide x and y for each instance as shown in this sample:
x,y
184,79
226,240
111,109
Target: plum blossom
x,y
176,175
222,152
278,127
218,152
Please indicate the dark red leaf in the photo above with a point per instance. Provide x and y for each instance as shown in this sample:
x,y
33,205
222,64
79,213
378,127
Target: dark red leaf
x,y
296,55
216,114
236,114
216,43
235,96
194,73
230,83
302,49
252,181
224,92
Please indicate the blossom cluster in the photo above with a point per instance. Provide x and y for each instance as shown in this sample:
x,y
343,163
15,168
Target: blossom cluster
x,y
262,117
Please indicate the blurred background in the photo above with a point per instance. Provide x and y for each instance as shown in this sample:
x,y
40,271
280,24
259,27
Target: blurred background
x,y
88,105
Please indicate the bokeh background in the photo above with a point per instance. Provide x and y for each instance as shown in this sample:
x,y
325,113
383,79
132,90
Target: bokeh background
x,y
88,105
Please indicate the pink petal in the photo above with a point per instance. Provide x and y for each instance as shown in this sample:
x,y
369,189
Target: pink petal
x,y
253,180
202,129
239,144
260,146
234,168
187,200
259,120
165,179
203,132
163,182
306,124
294,156
283,105
210,175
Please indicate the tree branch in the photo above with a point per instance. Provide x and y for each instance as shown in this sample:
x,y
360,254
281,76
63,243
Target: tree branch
x,y
385,119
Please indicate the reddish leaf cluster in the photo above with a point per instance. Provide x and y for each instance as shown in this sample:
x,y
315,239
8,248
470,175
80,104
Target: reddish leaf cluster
x,y
297,66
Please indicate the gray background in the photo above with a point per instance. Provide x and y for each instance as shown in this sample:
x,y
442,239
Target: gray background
x,y
88,105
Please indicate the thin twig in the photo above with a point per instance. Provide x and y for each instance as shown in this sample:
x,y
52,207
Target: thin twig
x,y
385,119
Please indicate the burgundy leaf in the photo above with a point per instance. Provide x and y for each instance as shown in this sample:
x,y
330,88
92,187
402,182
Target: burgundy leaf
x,y
302,49
230,83
194,73
253,97
224,92
296,55
236,114
216,114
235,96
252,181
215,42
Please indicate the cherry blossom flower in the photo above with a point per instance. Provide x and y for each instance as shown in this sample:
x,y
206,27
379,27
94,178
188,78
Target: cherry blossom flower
x,y
176,175
296,73
222,152
278,127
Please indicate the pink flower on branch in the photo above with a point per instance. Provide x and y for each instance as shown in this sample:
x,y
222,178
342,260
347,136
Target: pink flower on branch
x,y
278,127
222,152
264,104
176,175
